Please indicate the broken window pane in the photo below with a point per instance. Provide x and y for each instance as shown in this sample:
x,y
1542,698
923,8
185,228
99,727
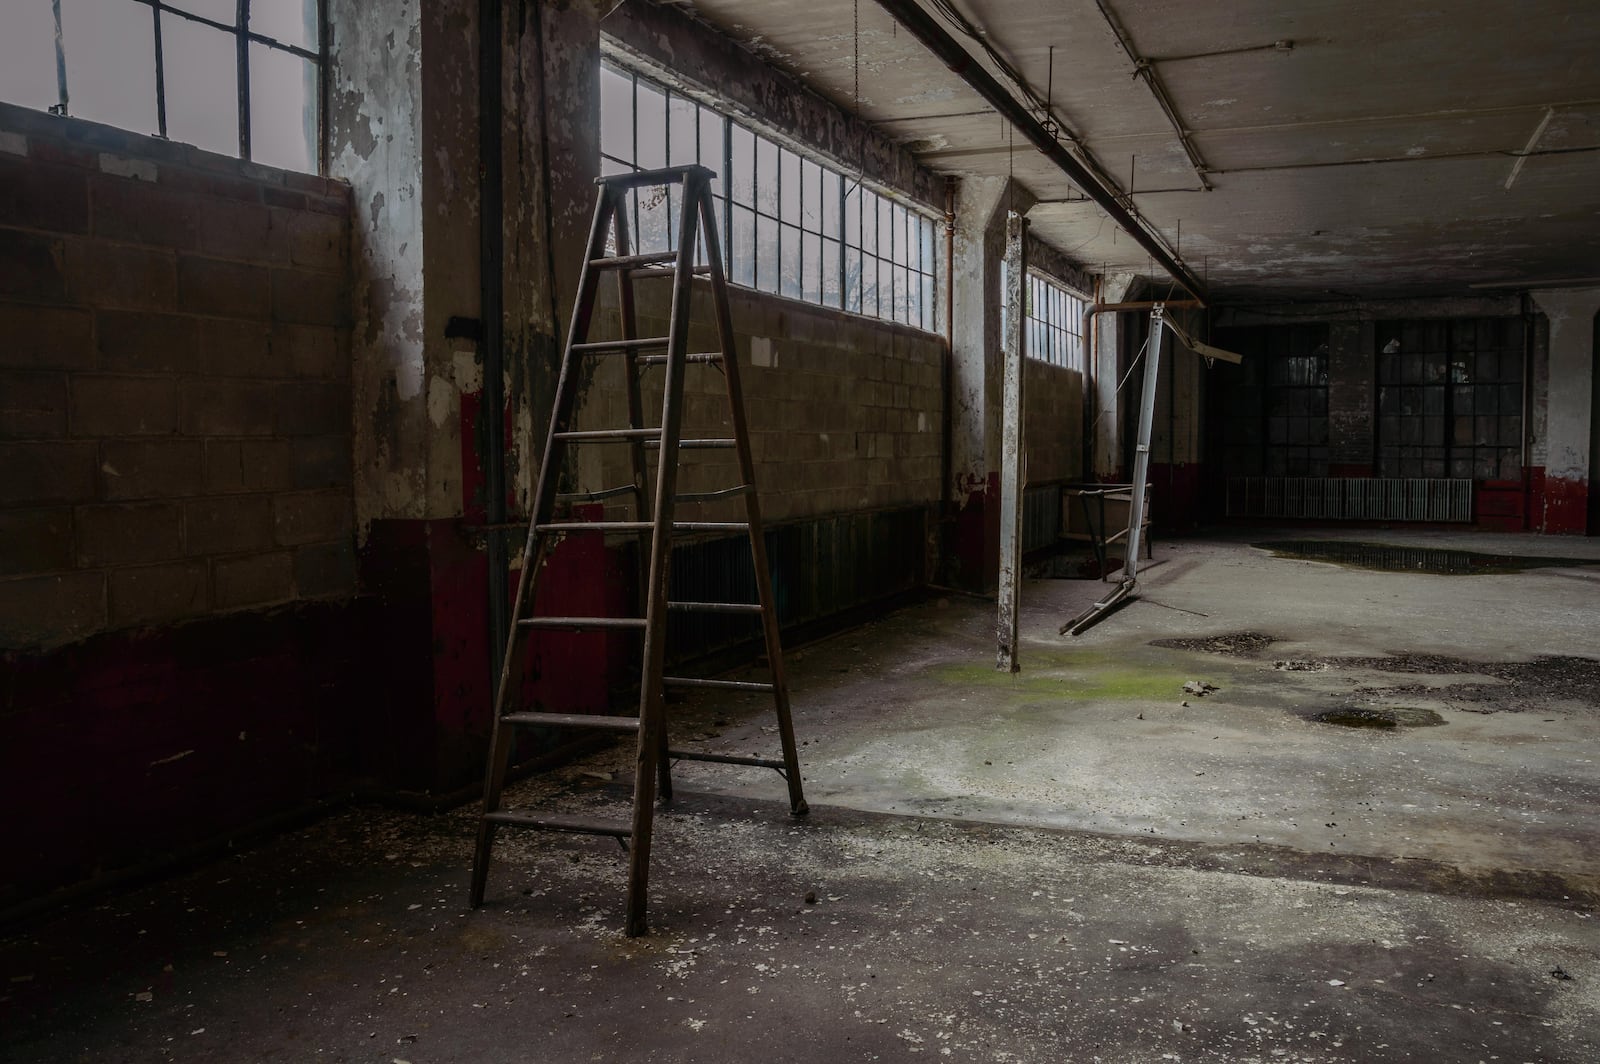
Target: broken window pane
x,y
283,109
202,78
111,63
28,55
289,21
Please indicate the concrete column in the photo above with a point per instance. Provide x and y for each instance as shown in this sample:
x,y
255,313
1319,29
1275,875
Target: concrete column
x,y
376,143
1352,398
1108,405
404,131
981,206
1561,488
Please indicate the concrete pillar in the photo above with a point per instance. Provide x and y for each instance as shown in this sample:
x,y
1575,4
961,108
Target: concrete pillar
x,y
1352,398
1108,406
981,206
404,131
1561,486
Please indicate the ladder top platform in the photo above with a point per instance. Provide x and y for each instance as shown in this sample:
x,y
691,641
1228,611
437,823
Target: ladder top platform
x,y
662,176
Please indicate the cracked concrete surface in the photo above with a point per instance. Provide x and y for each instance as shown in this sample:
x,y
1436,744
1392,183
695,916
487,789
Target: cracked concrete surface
x,y
1068,865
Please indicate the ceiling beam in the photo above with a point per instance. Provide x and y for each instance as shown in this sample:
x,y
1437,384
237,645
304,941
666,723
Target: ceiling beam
x,y
921,25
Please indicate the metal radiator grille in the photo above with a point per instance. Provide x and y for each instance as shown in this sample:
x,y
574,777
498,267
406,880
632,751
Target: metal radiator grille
x,y
1351,498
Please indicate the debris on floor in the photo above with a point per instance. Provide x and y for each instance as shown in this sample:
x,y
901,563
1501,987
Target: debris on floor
x,y
1199,688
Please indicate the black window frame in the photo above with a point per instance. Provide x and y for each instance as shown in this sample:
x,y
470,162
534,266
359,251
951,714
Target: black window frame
x,y
244,37
897,242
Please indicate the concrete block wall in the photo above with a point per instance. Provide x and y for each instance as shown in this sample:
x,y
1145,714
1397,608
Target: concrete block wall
x,y
1053,422
174,383
844,410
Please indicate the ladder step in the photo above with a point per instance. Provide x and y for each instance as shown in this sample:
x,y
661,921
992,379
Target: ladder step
x,y
607,347
581,622
712,496
596,496
698,444
646,274
573,720
621,262
721,685
612,435
556,822
716,607
644,526
726,759
699,358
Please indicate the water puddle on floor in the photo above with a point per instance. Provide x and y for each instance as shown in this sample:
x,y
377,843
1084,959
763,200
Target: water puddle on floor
x,y
1395,717
1437,560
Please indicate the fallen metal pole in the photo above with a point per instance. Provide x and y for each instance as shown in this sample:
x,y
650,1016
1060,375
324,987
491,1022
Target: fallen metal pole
x,y
1141,473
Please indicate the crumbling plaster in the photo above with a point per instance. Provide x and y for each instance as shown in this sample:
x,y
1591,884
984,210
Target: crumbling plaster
x,y
981,206
404,132
1571,314
375,133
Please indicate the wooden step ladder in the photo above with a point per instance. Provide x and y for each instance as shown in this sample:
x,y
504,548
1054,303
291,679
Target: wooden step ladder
x,y
654,533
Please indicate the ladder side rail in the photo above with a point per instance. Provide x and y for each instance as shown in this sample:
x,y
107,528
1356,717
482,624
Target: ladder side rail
x,y
534,552
628,312
651,702
747,474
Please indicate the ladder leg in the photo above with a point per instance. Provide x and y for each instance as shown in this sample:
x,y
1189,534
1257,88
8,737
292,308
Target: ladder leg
x,y
502,741
629,315
534,553
650,687
758,544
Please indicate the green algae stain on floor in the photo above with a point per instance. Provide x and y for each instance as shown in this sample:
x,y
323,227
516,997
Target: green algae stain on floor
x,y
1089,681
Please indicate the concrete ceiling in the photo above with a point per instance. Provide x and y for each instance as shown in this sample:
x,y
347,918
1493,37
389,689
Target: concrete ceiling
x,y
1370,157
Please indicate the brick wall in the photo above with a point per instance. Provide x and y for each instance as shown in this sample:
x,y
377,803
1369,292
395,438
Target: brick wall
x,y
844,411
1053,426
174,383
178,633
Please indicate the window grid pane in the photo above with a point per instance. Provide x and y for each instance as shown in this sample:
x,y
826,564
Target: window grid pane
x,y
1054,321
793,226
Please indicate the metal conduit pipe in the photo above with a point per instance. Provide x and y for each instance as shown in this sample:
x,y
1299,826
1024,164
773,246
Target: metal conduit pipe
x,y
921,25
491,265
947,422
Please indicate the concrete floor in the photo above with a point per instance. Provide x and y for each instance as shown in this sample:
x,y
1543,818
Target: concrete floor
x,y
1065,865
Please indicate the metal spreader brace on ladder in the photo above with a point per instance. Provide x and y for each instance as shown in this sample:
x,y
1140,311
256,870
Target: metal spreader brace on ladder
x,y
655,532
1141,465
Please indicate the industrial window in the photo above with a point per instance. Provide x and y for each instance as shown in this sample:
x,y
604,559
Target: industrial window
x,y
238,77
788,224
1055,323
1269,414
1450,398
